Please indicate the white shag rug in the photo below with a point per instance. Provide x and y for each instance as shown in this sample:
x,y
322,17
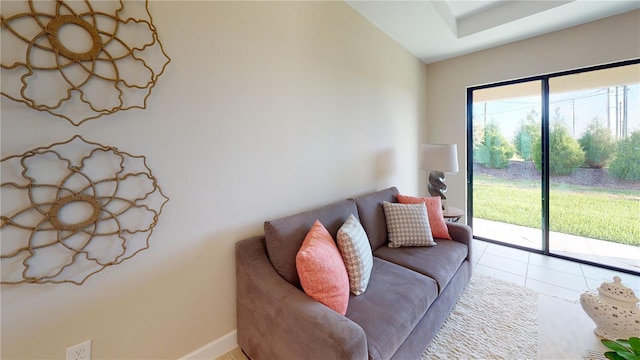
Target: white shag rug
x,y
493,319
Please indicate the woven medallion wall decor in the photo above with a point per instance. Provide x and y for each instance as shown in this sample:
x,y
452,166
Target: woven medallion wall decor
x,y
80,60
73,209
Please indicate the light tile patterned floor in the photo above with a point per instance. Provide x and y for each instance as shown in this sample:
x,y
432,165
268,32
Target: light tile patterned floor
x,y
562,278
594,250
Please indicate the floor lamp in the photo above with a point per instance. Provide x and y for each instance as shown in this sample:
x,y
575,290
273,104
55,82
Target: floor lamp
x,y
439,159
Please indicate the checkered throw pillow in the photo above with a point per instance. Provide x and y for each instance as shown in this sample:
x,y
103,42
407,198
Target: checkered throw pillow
x,y
356,253
407,225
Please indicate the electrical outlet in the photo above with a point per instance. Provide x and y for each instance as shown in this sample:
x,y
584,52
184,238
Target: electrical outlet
x,y
80,352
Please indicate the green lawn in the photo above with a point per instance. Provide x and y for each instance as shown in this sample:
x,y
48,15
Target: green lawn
x,y
612,215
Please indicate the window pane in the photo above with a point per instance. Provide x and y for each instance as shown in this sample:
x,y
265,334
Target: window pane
x,y
594,207
506,184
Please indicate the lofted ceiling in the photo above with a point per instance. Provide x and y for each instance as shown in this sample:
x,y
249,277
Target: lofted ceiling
x,y
435,30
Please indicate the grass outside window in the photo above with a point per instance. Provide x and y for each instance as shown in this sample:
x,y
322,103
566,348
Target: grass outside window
x,y
612,215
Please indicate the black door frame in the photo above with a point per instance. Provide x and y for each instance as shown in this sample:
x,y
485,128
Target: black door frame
x,y
544,80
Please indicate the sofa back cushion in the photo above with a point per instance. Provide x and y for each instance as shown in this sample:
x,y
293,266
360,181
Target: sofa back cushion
x,y
372,215
284,236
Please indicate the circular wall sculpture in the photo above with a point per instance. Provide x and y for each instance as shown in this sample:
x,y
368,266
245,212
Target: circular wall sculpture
x,y
73,209
80,60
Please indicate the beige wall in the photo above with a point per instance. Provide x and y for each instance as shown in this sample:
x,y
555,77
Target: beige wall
x,y
608,40
267,108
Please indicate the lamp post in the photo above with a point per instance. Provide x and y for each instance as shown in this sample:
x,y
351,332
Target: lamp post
x,y
439,159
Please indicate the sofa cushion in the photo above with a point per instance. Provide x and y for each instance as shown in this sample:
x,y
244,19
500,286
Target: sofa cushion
x,y
321,269
372,217
356,252
408,225
434,212
284,236
395,301
438,262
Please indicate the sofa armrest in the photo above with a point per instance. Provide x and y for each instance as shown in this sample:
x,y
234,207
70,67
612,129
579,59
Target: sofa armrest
x,y
461,233
276,320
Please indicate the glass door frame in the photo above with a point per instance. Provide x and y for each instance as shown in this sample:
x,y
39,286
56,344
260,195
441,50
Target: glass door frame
x,y
545,130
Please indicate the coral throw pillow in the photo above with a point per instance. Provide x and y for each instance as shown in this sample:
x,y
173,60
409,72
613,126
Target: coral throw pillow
x,y
322,272
434,211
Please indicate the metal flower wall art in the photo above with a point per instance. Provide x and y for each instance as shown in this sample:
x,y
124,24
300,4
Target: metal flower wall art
x,y
80,60
73,209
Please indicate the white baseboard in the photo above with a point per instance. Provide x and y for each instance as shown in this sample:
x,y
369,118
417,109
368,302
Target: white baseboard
x,y
214,349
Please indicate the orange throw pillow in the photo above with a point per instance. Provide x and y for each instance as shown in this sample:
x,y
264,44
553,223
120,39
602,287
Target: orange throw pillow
x,y
434,212
322,272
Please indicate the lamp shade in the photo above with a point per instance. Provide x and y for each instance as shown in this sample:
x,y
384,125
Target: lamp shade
x,y
439,157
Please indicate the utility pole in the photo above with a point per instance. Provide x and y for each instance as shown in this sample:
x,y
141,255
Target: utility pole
x,y
625,119
573,110
617,116
485,113
609,109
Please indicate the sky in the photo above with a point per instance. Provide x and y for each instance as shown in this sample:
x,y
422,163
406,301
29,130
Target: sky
x,y
577,109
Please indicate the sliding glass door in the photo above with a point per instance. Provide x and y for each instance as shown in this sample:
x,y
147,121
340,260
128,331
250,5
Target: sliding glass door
x,y
556,164
594,166
506,186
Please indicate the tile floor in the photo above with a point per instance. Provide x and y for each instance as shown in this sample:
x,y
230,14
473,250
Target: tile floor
x,y
545,274
593,250
557,277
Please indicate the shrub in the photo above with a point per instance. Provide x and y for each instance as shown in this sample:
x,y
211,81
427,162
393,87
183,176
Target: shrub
x,y
565,152
626,164
598,145
527,135
478,134
495,150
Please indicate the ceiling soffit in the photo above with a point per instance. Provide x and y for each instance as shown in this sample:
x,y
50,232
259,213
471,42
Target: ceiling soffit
x,y
489,17
435,30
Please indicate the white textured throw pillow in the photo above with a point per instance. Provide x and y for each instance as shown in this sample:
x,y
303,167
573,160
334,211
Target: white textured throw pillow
x,y
408,225
355,249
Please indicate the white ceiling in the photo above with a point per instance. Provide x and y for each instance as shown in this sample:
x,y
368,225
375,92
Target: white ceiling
x,y
435,30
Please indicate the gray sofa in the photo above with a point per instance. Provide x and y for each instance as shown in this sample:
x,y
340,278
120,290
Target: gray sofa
x,y
410,293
